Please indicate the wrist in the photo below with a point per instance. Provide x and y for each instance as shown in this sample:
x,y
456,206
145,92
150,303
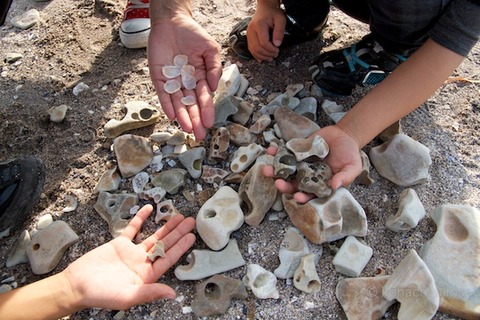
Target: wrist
x,y
168,9
70,298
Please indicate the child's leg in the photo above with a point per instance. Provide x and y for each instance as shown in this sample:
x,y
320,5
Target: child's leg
x,y
309,14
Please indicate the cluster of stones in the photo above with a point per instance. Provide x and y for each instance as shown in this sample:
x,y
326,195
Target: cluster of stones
x,y
421,283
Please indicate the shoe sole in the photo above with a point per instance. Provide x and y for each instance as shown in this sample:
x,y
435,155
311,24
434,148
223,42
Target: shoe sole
x,y
136,40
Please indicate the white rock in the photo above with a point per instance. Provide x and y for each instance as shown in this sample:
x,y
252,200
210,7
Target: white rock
x,y
219,217
352,257
293,247
262,282
410,212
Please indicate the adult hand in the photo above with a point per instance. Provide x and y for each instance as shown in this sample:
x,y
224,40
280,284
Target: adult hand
x,y
118,274
268,19
344,160
183,35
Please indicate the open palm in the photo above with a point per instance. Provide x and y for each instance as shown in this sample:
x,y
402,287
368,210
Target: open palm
x,y
118,274
183,35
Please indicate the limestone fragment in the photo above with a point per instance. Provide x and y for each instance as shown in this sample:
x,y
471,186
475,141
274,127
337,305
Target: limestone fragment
x,y
327,219
219,144
19,253
307,108
239,135
115,210
410,212
361,298
284,163
412,284
262,282
48,245
26,20
292,249
165,211
205,263
225,106
402,160
311,148
109,181
313,178
364,176
229,82
292,125
192,161
57,114
453,258
306,277
352,257
244,112
157,251
138,114
245,156
258,192
170,180
214,295
219,217
139,181
134,153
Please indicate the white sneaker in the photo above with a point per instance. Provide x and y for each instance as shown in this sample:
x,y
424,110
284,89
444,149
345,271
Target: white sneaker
x,y
135,27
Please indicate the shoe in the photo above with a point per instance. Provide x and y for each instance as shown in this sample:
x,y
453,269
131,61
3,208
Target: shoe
x,y
21,183
293,34
364,63
4,7
135,26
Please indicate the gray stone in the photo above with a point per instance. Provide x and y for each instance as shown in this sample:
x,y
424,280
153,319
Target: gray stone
x,y
115,210
138,114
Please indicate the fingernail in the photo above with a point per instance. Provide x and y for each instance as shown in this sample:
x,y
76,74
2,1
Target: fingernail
x,y
277,43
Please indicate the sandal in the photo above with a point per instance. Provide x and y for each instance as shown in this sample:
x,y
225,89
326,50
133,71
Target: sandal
x,y
21,183
364,63
293,34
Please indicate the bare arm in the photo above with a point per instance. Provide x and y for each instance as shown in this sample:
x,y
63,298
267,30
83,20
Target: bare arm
x,y
116,275
174,32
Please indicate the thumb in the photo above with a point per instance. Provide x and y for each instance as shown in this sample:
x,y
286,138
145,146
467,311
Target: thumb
x,y
154,291
278,31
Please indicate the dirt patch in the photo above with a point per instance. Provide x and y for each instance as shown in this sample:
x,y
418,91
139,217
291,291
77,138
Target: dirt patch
x,y
78,41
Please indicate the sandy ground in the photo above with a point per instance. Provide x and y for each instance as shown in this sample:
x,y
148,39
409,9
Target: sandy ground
x,y
78,41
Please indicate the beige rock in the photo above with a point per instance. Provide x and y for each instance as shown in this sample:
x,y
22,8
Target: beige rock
x,y
314,177
410,212
245,156
225,106
293,125
109,181
412,284
327,219
219,217
306,277
138,114
453,258
229,82
57,114
170,180
19,253
239,135
402,160
192,160
213,175
364,176
258,192
361,298
48,245
262,282
312,148
292,249
284,163
134,153
245,110
165,211
214,295
307,108
261,124
352,257
219,144
115,210
205,263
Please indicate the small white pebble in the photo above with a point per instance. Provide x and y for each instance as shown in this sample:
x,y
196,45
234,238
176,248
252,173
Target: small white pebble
x,y
171,72
186,310
180,60
188,100
171,86
189,82
180,299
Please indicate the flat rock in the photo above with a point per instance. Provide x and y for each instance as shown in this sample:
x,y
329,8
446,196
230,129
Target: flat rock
x,y
293,125
134,153
26,20
115,210
138,114
48,245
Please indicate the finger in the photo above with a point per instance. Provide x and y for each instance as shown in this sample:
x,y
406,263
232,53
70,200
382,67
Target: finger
x,y
181,112
266,45
165,99
302,197
163,231
272,150
195,119
153,291
172,256
284,186
205,101
185,227
214,68
268,171
278,32
136,224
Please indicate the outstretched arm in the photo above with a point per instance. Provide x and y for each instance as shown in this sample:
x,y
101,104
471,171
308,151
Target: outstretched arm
x,y
174,32
116,275
411,84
